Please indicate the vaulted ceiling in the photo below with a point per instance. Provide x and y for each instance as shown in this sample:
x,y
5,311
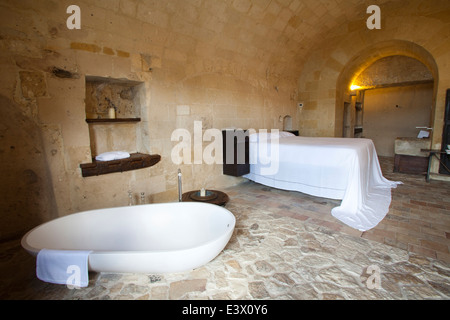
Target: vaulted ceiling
x,y
274,37
277,35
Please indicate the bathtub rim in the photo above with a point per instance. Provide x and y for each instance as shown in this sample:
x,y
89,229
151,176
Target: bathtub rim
x,y
34,251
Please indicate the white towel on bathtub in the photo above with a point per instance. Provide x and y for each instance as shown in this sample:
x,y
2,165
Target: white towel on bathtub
x,y
112,155
68,267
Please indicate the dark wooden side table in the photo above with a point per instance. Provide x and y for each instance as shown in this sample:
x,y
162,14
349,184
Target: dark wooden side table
x,y
236,154
212,196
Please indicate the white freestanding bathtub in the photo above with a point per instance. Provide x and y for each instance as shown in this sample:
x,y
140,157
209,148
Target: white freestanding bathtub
x,y
153,238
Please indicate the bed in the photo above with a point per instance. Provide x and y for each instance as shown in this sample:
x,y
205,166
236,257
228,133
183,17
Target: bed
x,y
346,169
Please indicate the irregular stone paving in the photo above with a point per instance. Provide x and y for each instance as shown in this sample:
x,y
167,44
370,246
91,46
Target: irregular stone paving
x,y
268,257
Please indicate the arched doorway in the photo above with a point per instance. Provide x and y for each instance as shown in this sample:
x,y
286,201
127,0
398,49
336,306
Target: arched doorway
x,y
392,98
349,102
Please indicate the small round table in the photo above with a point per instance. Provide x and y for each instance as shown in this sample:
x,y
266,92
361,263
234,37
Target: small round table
x,y
212,196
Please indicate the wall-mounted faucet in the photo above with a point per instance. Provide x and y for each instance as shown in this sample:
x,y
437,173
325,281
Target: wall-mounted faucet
x,y
180,194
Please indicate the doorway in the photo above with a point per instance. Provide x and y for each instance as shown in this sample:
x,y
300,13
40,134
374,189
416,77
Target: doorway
x,y
353,116
396,112
445,158
392,97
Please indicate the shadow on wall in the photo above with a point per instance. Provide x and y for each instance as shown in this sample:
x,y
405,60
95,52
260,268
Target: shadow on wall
x,y
27,197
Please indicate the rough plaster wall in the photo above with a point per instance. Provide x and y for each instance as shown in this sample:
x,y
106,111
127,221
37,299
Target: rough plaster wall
x,y
395,112
26,190
101,95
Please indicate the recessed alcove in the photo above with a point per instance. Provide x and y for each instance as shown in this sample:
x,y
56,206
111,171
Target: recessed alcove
x,y
121,94
393,96
116,131
287,123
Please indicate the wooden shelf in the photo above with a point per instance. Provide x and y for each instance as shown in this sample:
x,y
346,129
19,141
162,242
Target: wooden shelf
x,y
134,162
116,120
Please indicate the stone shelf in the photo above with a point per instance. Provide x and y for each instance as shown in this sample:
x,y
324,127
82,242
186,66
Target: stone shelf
x,y
134,162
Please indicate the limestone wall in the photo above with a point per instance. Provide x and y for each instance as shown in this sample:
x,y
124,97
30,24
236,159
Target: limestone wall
x,y
418,29
242,63
393,70
185,76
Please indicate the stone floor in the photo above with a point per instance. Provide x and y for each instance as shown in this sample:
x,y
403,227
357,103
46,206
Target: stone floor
x,y
418,220
287,246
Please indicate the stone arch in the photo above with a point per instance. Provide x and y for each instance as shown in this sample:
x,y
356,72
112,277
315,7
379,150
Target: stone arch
x,y
368,56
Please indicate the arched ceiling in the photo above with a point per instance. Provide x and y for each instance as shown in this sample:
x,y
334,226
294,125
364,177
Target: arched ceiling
x,y
270,37
394,70
274,35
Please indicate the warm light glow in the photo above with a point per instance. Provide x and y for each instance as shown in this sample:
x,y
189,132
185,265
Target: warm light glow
x,y
354,87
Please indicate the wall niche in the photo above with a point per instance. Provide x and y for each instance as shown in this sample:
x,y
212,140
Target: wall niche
x,y
104,93
120,132
113,112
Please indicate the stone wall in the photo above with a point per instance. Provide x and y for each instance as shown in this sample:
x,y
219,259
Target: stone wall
x,y
398,97
394,70
26,187
223,63
184,77
418,30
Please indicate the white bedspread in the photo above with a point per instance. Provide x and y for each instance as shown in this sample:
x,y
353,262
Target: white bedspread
x,y
336,168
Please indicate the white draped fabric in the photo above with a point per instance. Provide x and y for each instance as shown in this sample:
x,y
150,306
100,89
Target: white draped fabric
x,y
337,168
